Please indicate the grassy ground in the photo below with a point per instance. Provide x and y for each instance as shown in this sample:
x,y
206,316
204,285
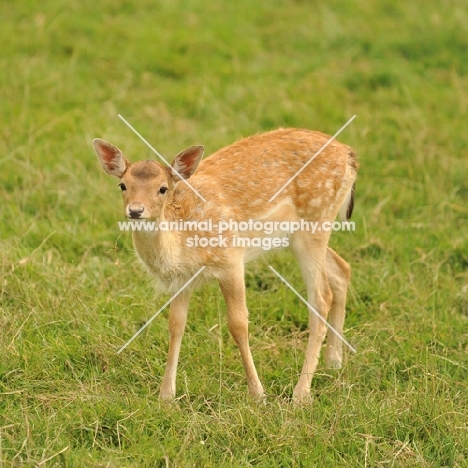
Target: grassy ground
x,y
188,72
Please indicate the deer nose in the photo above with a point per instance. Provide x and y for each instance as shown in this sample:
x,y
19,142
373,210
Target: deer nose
x,y
135,210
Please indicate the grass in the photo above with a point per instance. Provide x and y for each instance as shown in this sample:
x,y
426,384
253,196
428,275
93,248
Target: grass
x,y
71,292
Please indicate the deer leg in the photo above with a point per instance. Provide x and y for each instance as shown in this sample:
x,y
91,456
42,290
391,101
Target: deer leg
x,y
338,273
310,253
177,320
233,289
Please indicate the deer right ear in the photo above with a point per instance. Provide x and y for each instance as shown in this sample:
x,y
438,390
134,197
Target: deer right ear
x,y
187,161
111,158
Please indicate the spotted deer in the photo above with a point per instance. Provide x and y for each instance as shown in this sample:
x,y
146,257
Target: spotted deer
x,y
238,183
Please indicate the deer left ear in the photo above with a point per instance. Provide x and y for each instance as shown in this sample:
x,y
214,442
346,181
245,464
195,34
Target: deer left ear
x,y
187,161
111,158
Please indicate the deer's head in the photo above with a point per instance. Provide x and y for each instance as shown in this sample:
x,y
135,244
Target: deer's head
x,y
146,185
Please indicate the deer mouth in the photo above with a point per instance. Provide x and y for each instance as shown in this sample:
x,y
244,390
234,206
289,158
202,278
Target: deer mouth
x,y
137,217
136,211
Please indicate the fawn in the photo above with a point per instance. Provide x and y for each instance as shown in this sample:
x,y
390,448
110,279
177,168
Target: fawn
x,y
237,183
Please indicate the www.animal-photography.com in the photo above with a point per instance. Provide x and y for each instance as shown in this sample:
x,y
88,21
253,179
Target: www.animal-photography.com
x,y
234,234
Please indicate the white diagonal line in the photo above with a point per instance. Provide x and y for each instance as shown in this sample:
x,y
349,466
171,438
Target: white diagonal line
x,y
312,309
161,309
159,155
312,158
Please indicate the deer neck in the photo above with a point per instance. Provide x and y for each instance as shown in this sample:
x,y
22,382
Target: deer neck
x,y
160,249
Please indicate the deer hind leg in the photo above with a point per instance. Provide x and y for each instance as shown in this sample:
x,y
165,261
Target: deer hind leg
x,y
339,274
233,289
177,321
310,252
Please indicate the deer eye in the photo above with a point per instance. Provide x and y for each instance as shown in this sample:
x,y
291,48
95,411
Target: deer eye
x,y
122,187
163,190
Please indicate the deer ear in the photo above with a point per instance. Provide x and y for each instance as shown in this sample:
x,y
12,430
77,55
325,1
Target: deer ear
x,y
111,158
187,161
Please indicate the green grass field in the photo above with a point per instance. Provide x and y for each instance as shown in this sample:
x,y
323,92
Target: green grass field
x,y
200,72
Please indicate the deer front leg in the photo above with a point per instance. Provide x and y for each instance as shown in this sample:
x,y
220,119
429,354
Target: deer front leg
x,y
233,289
177,320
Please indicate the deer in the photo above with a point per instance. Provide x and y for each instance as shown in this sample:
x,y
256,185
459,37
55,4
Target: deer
x,y
238,183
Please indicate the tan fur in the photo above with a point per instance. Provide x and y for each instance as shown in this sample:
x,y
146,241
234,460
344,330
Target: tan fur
x,y
237,181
